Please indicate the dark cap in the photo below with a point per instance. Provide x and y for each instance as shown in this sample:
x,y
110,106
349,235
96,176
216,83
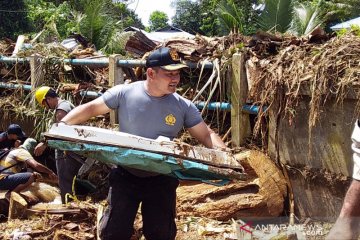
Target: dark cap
x,y
165,58
16,129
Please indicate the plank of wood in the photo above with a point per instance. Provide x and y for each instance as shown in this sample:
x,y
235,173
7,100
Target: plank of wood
x,y
240,121
18,206
116,77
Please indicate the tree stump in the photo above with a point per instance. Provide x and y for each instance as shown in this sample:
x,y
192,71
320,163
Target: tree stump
x,y
261,195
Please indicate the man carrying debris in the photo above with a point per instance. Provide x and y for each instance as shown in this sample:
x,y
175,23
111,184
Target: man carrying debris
x,y
150,109
11,176
347,226
13,137
69,163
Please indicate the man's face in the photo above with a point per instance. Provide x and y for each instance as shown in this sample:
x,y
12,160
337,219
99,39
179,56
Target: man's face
x,y
48,103
165,81
12,136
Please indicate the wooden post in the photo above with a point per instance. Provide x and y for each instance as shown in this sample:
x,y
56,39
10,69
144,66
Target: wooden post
x,y
37,75
116,77
240,122
18,206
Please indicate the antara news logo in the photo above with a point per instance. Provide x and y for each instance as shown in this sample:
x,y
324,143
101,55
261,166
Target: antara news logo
x,y
307,230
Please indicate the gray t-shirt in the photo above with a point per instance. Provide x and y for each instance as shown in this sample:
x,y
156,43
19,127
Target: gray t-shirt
x,y
65,106
143,115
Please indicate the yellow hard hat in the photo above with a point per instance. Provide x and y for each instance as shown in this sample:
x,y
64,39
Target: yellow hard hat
x,y
41,93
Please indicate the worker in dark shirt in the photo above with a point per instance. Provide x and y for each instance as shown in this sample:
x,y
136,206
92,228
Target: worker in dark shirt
x,y
11,138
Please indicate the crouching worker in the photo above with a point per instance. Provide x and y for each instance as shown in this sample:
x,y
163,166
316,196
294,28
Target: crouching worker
x,y
12,177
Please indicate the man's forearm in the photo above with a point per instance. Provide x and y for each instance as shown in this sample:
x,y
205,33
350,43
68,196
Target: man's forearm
x,y
83,112
348,223
352,200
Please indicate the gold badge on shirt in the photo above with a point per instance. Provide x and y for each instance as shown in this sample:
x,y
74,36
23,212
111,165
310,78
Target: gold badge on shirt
x,y
170,120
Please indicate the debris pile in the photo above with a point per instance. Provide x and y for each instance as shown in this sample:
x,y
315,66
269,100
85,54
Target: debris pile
x,y
296,68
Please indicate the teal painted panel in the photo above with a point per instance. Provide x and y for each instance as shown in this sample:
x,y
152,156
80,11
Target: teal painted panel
x,y
153,162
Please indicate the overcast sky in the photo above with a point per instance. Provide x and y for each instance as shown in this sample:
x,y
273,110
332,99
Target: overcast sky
x,y
143,8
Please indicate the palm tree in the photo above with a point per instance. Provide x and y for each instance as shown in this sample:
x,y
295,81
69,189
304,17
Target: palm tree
x,y
231,16
98,25
292,16
276,16
306,18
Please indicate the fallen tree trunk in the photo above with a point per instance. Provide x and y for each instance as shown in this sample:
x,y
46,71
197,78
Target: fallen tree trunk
x,y
262,195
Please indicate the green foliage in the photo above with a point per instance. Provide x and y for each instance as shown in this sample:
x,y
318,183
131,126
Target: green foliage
x,y
355,30
126,16
100,21
117,43
335,11
14,19
342,32
214,17
96,25
306,18
339,10
209,20
54,19
231,16
187,16
158,20
277,16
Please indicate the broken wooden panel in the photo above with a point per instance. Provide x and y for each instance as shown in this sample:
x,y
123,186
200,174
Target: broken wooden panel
x,y
162,145
151,162
262,195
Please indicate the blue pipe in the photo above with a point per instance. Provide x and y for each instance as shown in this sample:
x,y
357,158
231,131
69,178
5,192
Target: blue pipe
x,y
15,86
90,94
214,105
13,60
88,62
102,62
252,109
131,63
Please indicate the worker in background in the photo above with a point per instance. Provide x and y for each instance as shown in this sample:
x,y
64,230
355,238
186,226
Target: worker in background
x,y
347,226
12,166
150,109
13,137
69,163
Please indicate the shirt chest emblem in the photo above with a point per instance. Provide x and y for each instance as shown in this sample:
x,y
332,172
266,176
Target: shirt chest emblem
x,y
170,120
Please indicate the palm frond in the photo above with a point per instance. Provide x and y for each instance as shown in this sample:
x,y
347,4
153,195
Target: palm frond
x,y
230,16
276,16
306,18
98,23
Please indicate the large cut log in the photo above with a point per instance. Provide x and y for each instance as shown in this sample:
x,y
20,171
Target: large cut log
x,y
138,44
262,195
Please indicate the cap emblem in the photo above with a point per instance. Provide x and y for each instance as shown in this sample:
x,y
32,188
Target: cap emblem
x,y
173,54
